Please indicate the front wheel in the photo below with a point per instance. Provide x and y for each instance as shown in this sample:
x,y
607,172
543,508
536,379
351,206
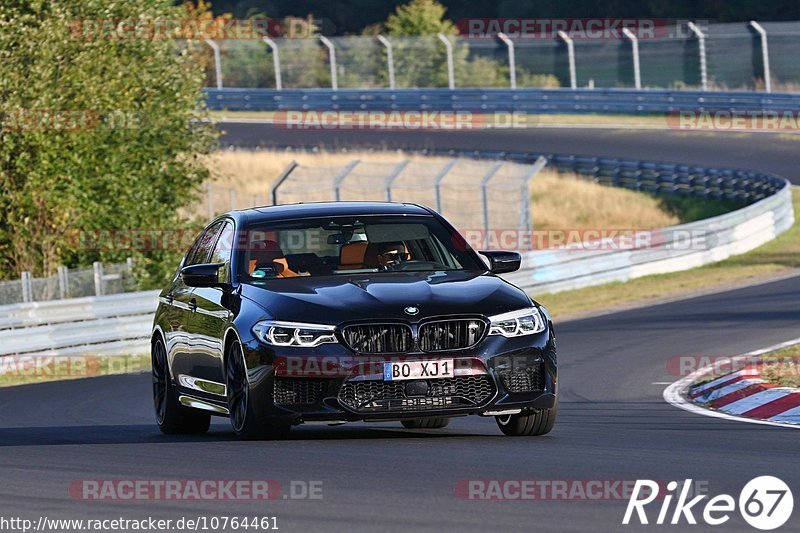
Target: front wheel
x,y
246,424
171,416
528,424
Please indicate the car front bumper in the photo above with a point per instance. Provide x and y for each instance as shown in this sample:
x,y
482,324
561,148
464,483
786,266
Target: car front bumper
x,y
330,384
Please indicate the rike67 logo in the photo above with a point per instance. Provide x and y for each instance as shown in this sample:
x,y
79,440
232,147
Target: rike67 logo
x,y
765,503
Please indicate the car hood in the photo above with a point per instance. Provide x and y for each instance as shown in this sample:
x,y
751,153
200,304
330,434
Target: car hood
x,y
343,298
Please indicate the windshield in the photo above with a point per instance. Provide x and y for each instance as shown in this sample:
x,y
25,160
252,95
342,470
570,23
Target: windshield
x,y
334,246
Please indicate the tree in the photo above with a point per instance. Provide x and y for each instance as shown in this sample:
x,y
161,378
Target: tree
x,y
100,130
420,17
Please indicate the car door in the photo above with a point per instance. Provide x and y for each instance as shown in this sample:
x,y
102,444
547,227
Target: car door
x,y
183,344
211,317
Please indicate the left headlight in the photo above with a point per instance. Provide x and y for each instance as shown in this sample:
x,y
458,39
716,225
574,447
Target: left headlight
x,y
517,323
278,333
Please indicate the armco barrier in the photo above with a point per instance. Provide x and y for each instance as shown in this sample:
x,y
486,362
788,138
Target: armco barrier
x,y
623,101
111,324
120,324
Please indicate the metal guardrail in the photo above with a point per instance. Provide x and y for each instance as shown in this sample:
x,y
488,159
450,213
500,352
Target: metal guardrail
x,y
622,101
120,324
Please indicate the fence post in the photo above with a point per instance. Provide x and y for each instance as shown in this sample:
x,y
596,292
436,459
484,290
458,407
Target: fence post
x,y
97,266
484,183
701,46
512,62
764,54
63,282
393,176
276,62
27,289
332,49
337,181
437,182
525,220
217,62
389,59
232,199
571,57
450,73
278,182
637,75
209,201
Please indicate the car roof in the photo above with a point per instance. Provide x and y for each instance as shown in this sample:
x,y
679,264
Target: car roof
x,y
324,209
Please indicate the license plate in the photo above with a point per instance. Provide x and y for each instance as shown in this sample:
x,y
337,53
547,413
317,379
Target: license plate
x,y
442,368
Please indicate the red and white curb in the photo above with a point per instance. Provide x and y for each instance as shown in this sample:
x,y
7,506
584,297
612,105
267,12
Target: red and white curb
x,y
742,395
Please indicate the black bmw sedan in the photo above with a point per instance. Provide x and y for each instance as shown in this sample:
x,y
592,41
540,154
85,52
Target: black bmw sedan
x,y
348,311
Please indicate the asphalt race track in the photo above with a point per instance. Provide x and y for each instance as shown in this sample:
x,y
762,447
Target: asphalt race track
x,y
770,152
613,423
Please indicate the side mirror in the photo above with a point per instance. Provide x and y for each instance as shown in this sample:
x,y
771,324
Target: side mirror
x,y
202,275
501,261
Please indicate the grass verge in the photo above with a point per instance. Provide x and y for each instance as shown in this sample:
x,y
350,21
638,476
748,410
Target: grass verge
x,y
777,257
577,119
27,369
559,201
781,367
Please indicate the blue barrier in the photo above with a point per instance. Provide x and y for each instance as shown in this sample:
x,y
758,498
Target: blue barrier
x,y
623,101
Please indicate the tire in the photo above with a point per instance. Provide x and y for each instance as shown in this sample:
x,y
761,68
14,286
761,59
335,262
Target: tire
x,y
528,424
171,416
244,421
425,423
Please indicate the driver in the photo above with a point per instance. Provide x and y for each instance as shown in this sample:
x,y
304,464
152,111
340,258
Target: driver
x,y
392,254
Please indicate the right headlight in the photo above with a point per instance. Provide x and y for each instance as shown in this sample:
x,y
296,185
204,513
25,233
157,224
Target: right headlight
x,y
517,323
279,333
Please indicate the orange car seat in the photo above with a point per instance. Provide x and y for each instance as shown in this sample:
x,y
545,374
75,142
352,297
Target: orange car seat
x,y
351,255
270,252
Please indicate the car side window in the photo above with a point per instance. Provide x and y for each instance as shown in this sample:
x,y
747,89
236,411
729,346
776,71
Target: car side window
x,y
201,250
222,251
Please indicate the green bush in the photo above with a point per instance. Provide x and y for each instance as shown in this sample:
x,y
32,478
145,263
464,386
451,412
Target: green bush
x,y
126,159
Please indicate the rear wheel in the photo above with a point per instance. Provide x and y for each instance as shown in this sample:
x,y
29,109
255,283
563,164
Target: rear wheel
x,y
245,423
527,424
171,416
425,423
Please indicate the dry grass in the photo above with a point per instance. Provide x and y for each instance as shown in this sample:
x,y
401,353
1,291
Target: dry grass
x,y
776,258
558,201
781,367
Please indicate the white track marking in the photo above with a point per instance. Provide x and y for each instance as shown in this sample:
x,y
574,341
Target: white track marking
x,y
755,400
675,394
729,389
720,380
790,416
